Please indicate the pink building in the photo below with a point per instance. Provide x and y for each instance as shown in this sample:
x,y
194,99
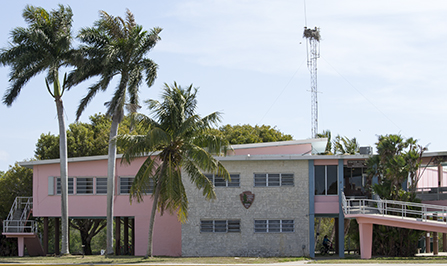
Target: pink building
x,y
87,196
288,182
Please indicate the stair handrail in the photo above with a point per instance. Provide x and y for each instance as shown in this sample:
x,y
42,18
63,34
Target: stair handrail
x,y
26,209
389,207
19,202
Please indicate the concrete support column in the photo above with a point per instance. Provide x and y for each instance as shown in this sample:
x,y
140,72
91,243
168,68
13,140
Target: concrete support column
x,y
337,235
435,243
133,237
45,235
440,175
56,235
21,245
126,235
427,242
365,231
341,216
444,242
117,235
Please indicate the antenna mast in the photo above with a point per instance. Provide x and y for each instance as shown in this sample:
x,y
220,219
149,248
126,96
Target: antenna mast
x,y
313,53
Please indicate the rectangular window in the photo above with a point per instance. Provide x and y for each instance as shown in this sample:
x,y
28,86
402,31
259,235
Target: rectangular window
x,y
218,181
326,180
84,185
101,185
126,184
70,186
273,180
220,226
274,226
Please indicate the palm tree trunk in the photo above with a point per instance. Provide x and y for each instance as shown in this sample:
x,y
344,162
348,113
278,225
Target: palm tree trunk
x,y
150,247
111,181
64,174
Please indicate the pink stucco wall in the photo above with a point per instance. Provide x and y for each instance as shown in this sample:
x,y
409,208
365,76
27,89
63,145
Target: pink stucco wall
x,y
326,204
429,178
167,231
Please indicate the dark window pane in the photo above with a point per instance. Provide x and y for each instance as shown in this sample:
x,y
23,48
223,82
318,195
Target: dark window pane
x,y
234,226
125,185
235,181
273,180
70,186
287,225
260,226
220,226
206,226
101,185
320,176
332,184
260,180
219,181
84,185
274,226
287,180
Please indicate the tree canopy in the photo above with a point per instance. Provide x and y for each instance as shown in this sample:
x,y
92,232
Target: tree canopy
x,y
244,134
84,139
395,165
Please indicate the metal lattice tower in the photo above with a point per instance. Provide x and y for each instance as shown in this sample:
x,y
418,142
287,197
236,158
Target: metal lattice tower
x,y
313,53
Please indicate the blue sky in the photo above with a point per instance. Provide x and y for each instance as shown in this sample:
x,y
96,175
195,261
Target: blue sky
x,y
382,68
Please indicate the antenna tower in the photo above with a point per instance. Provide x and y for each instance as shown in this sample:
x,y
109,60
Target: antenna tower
x,y
313,53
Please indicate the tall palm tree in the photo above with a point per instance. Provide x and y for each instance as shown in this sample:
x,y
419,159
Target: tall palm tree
x,y
114,47
344,145
177,140
45,45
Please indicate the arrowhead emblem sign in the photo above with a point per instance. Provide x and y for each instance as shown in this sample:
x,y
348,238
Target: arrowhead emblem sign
x,y
247,198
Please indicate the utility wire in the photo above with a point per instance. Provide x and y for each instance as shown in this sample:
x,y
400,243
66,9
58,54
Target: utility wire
x,y
285,87
366,98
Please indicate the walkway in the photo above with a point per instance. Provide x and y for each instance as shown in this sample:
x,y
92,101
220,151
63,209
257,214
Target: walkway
x,y
425,217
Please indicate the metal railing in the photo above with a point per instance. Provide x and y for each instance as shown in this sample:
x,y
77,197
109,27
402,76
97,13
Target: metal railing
x,y
432,193
20,224
399,209
15,226
19,203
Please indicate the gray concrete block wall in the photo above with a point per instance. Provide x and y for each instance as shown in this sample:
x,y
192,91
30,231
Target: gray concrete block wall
x,y
270,203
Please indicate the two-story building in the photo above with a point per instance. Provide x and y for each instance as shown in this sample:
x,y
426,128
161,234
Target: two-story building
x,y
267,209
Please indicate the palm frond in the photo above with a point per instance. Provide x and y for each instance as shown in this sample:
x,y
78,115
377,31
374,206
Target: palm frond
x,y
144,180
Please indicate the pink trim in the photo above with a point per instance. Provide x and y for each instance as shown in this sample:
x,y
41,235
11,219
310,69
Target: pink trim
x,y
326,162
326,204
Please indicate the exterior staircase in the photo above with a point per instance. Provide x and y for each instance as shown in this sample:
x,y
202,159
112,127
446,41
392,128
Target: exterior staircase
x,y
17,225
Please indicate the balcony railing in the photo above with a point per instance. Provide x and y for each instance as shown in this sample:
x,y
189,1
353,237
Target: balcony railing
x,y
400,209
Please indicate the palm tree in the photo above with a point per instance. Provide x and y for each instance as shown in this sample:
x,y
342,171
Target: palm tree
x,y
112,47
177,140
344,145
45,45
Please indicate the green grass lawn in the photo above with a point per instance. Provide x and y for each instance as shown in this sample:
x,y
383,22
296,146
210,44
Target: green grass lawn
x,y
96,259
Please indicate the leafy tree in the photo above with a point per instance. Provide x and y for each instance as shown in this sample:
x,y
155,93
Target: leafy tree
x,y
115,47
397,161
44,46
88,228
243,134
84,139
183,143
17,181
